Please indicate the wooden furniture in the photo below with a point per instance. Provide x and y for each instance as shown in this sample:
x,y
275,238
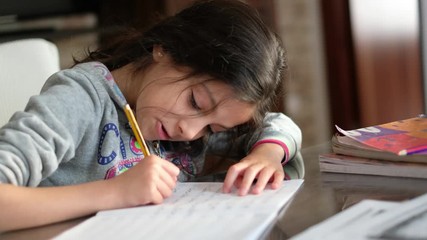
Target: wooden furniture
x,y
374,61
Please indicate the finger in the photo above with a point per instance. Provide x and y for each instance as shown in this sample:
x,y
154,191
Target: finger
x,y
171,172
279,176
232,174
169,180
156,196
171,168
164,190
238,181
248,179
262,180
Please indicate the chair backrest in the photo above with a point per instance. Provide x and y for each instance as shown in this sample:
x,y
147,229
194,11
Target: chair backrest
x,y
24,67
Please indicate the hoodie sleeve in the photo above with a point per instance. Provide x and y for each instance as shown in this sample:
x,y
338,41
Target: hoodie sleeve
x,y
35,141
276,128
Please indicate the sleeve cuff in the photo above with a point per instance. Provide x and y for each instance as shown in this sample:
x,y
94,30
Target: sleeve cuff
x,y
283,145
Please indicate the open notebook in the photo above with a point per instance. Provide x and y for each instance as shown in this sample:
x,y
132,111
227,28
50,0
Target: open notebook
x,y
194,211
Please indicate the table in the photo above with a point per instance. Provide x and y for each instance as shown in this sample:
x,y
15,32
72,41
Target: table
x,y
321,196
325,194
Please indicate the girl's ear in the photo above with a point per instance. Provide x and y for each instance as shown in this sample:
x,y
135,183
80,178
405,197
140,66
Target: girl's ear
x,y
158,54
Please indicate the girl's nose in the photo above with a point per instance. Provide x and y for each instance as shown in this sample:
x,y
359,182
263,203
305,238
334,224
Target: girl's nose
x,y
190,129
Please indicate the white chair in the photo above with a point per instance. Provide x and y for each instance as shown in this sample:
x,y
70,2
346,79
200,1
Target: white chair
x,y
24,67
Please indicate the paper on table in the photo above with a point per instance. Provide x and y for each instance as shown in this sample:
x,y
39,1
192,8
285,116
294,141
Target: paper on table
x,y
371,219
408,221
194,211
402,221
346,221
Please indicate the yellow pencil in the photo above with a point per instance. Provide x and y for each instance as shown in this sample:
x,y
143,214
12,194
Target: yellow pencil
x,y
134,125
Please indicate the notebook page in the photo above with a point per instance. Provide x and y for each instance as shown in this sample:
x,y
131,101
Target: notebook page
x,y
194,211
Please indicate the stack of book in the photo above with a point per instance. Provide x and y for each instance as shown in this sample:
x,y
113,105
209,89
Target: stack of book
x,y
393,149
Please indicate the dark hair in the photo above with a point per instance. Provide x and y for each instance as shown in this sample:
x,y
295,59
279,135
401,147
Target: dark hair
x,y
224,39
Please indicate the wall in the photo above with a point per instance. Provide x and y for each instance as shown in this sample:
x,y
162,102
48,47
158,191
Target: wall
x,y
306,101
386,36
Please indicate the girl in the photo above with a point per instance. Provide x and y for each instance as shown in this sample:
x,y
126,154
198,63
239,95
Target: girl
x,y
200,83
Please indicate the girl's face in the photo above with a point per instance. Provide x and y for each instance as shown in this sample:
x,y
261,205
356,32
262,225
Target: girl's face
x,y
182,111
172,107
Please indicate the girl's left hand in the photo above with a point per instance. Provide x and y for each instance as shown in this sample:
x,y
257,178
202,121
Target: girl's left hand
x,y
263,164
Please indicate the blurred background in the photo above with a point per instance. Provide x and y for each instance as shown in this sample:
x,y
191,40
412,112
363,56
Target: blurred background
x,y
353,63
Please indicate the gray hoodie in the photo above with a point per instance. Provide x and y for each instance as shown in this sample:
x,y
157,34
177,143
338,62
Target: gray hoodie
x,y
76,131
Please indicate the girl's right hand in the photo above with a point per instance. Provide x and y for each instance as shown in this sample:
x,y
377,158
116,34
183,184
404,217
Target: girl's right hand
x,y
148,182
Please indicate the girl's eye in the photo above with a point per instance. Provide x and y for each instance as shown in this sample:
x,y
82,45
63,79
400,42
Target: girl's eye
x,y
195,106
193,102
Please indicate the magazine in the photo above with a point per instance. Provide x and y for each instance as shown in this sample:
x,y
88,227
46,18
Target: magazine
x,y
345,145
404,137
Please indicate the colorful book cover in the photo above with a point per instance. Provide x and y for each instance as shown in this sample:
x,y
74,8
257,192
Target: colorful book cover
x,y
404,137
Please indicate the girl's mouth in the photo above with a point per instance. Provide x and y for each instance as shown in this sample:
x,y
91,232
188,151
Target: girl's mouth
x,y
162,132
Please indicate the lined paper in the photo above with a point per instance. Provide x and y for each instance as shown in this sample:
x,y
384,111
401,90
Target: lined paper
x,y
195,211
